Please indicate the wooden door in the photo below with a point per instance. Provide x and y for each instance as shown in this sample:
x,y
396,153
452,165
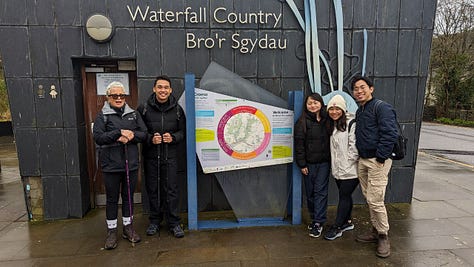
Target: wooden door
x,y
94,99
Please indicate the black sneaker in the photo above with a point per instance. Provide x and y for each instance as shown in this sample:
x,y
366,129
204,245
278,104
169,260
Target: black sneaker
x,y
347,226
316,230
177,231
311,225
333,233
152,229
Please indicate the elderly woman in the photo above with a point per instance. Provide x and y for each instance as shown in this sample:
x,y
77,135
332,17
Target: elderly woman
x,y
117,130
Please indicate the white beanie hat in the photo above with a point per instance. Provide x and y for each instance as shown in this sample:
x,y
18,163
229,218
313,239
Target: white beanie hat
x,y
337,101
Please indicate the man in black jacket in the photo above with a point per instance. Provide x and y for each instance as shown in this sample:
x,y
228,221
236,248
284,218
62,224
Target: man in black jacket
x,y
376,134
166,124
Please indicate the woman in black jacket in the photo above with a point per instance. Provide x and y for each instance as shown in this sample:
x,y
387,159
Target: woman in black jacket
x,y
117,130
312,154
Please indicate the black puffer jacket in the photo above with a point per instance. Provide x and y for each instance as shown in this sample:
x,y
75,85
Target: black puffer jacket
x,y
106,131
311,140
162,118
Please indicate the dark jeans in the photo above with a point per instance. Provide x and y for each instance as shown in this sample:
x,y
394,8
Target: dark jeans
x,y
115,185
316,185
162,189
344,207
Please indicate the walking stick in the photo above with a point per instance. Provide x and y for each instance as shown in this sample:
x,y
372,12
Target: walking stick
x,y
127,171
158,174
165,154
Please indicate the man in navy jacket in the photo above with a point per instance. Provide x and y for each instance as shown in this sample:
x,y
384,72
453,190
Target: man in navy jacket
x,y
376,134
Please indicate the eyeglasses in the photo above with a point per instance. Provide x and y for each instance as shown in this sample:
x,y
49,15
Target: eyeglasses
x,y
360,88
121,96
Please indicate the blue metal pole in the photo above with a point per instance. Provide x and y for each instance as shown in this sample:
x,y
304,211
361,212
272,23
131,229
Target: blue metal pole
x,y
296,187
191,151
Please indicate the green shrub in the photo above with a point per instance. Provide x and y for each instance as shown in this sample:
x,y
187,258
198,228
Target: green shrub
x,y
4,106
457,122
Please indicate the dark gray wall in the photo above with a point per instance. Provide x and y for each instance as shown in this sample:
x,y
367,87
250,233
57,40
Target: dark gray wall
x,y
42,41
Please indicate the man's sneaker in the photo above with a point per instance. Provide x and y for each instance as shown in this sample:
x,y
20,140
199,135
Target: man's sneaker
x,y
152,229
130,234
316,230
177,231
311,225
333,233
111,239
347,226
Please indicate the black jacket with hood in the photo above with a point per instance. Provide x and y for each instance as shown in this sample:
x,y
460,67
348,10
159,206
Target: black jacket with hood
x,y
162,118
106,131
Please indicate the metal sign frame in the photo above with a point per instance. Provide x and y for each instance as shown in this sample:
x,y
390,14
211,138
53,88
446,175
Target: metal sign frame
x,y
295,102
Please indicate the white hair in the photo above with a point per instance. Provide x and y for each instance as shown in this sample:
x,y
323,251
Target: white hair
x,y
113,85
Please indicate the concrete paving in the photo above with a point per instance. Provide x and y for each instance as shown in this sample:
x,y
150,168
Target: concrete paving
x,y
437,229
450,142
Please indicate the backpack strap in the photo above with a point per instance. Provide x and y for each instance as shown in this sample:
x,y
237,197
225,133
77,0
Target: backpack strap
x,y
350,124
142,109
376,105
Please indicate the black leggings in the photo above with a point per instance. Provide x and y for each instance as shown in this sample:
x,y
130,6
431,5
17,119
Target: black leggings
x,y
344,207
115,185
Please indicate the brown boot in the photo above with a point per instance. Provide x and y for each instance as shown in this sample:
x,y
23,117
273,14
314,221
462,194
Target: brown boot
x,y
111,240
130,234
383,246
370,237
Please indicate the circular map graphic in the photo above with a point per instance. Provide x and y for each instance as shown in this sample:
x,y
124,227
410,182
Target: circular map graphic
x,y
243,132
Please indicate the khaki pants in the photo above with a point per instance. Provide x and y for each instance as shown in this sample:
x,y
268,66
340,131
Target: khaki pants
x,y
373,178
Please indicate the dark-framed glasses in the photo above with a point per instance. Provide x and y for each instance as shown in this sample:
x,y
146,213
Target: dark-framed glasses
x,y
117,96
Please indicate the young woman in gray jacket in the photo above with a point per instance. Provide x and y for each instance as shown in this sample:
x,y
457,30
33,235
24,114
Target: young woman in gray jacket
x,y
344,159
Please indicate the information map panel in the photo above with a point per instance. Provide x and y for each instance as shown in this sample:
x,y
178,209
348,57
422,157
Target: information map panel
x,y
234,133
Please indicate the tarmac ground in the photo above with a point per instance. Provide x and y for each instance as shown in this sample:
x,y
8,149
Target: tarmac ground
x,y
436,229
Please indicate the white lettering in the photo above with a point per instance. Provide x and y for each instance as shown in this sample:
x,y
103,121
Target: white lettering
x,y
277,19
138,10
154,16
190,43
221,40
199,15
248,45
168,16
220,15
216,17
209,42
232,18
